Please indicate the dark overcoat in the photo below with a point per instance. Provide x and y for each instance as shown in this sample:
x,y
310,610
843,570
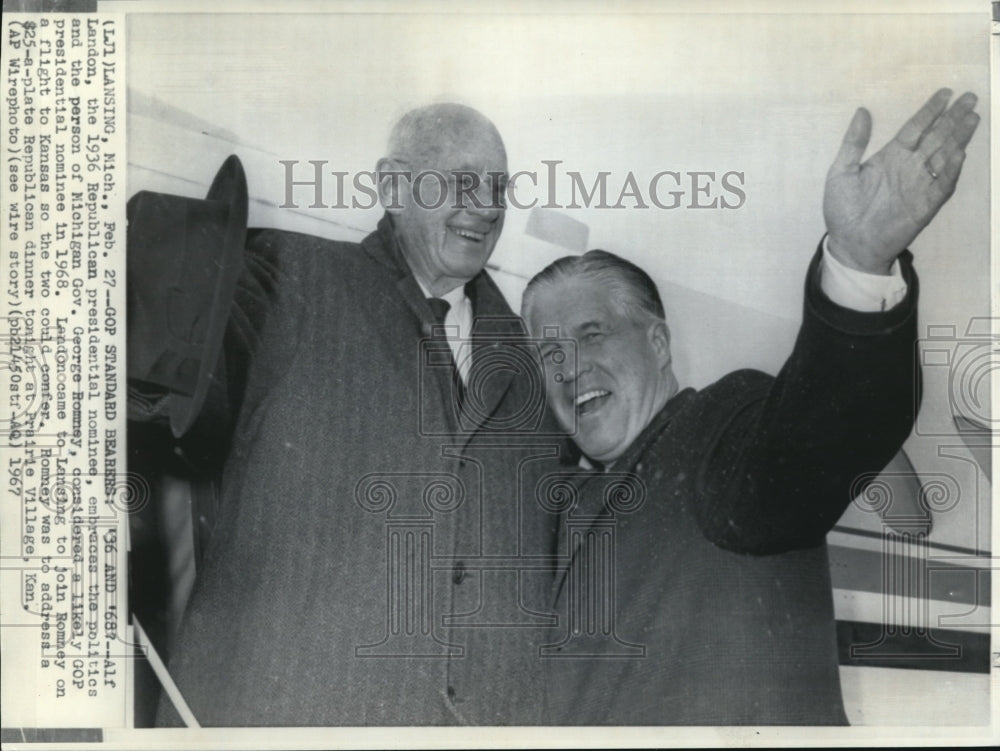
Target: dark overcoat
x,y
696,587
376,561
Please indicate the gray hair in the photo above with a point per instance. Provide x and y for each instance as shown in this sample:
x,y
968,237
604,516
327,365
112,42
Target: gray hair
x,y
420,134
636,292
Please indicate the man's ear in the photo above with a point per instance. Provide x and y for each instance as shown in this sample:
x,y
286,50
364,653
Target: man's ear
x,y
391,186
659,339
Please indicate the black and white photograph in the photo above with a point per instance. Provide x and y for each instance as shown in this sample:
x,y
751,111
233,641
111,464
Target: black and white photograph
x,y
428,374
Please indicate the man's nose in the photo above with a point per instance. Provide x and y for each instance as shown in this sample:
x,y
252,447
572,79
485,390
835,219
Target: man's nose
x,y
487,202
573,368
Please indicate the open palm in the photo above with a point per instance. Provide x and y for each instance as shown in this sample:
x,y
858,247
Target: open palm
x,y
875,209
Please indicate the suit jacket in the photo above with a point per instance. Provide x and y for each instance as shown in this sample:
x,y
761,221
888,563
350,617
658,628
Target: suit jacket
x,y
697,589
345,583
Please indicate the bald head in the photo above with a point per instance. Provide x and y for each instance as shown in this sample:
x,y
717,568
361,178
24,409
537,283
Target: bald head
x,y
422,135
443,184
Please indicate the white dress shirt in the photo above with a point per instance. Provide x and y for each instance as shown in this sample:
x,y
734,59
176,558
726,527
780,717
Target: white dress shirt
x,y
457,327
866,293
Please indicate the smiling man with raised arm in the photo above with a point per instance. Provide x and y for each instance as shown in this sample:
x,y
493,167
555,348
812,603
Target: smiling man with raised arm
x,y
722,611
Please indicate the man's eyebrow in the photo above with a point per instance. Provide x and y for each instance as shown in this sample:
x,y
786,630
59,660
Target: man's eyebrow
x,y
589,326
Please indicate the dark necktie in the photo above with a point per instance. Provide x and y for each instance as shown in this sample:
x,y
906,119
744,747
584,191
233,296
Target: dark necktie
x,y
440,308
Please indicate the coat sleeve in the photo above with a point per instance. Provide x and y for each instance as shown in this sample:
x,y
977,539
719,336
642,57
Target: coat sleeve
x,y
786,455
271,313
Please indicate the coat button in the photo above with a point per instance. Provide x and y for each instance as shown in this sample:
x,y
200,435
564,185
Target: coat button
x,y
459,576
451,693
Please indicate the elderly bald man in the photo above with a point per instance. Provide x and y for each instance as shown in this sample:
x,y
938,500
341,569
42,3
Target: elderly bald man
x,y
374,462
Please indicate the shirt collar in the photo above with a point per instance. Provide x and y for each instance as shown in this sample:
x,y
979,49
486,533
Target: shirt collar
x,y
454,298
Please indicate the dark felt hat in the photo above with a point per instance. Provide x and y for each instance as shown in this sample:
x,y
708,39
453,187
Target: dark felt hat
x,y
184,258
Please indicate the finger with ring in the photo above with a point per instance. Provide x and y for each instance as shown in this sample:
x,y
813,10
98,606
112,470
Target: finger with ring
x,y
936,163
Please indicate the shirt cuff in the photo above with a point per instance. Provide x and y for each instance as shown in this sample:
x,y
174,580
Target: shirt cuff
x,y
865,293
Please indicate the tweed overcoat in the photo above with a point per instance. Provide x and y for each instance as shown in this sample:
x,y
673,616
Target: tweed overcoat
x,y
365,566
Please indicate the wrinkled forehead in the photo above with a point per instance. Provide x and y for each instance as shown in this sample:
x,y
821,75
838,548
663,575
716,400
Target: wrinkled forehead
x,y
457,144
572,307
480,154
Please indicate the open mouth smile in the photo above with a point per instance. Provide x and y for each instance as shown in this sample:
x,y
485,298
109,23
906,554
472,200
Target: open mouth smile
x,y
591,401
468,234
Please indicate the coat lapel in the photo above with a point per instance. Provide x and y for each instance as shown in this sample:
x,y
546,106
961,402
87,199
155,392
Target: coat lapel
x,y
435,368
592,485
588,509
435,383
494,327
